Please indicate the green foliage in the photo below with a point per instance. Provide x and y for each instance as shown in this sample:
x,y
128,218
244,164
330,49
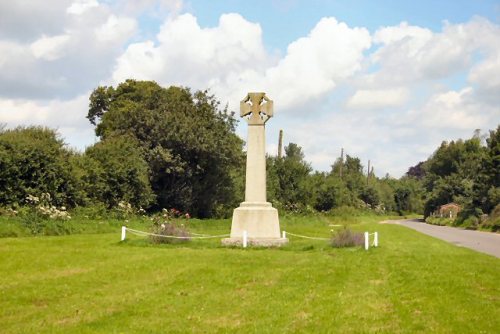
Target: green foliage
x,y
114,170
408,195
33,160
465,172
188,141
441,221
331,193
370,196
290,175
493,221
292,186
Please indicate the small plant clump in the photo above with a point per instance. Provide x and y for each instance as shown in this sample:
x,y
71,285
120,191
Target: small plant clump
x,y
168,231
44,207
347,238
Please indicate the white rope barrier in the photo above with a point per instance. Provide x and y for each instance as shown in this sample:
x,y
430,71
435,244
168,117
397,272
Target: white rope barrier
x,y
142,233
306,237
245,236
199,234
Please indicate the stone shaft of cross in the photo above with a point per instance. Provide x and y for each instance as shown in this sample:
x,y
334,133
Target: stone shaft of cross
x,y
260,109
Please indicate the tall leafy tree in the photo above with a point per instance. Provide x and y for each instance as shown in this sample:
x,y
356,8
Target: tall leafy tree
x,y
291,176
188,141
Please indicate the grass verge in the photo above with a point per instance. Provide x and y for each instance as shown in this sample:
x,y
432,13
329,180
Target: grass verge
x,y
95,284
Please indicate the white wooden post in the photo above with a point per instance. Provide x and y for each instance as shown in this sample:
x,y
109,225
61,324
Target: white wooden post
x,y
245,239
375,239
367,237
124,232
283,235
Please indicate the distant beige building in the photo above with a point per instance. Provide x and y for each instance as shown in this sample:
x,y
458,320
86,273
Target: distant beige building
x,y
449,210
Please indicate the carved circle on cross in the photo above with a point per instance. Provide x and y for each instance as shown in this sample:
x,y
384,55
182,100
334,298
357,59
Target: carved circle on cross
x,y
257,108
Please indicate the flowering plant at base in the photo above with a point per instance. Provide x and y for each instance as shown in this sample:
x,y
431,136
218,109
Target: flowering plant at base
x,y
163,225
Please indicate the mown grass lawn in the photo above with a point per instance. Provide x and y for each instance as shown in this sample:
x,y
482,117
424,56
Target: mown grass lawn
x,y
95,284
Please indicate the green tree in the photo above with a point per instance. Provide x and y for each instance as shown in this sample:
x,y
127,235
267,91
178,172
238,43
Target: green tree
x,y
291,175
331,193
114,170
459,171
188,141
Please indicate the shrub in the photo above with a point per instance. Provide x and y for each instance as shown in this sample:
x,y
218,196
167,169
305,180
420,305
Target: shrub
x,y
34,160
493,221
162,227
441,221
347,238
42,217
470,223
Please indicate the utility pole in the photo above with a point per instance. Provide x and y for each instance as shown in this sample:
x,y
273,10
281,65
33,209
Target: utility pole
x,y
341,161
280,145
368,173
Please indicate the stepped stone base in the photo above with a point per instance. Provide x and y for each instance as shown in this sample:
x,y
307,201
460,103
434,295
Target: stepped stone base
x,y
261,222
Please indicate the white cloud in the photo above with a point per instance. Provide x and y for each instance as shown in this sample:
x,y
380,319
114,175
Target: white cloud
x,y
454,110
63,65
26,20
157,8
67,116
81,6
486,76
410,53
231,59
50,48
378,98
314,65
190,55
115,28
395,34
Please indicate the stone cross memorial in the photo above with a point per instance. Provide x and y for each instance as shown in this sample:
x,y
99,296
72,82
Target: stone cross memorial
x,y
255,216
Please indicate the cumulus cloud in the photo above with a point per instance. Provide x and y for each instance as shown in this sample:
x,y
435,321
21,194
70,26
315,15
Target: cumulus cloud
x,y
232,60
486,76
35,17
67,116
190,55
49,48
406,53
315,64
65,64
454,110
378,98
81,6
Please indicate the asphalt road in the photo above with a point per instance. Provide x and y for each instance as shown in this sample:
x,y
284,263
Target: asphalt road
x,y
485,242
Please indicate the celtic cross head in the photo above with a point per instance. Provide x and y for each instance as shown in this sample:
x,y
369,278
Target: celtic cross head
x,y
257,108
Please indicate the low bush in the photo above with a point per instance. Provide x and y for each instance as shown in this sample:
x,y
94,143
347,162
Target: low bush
x,y
167,231
441,221
493,221
347,238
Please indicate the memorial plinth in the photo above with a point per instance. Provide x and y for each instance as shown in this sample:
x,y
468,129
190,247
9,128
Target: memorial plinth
x,y
255,215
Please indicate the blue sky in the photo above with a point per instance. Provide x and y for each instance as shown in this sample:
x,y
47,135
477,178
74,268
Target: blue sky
x,y
386,80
